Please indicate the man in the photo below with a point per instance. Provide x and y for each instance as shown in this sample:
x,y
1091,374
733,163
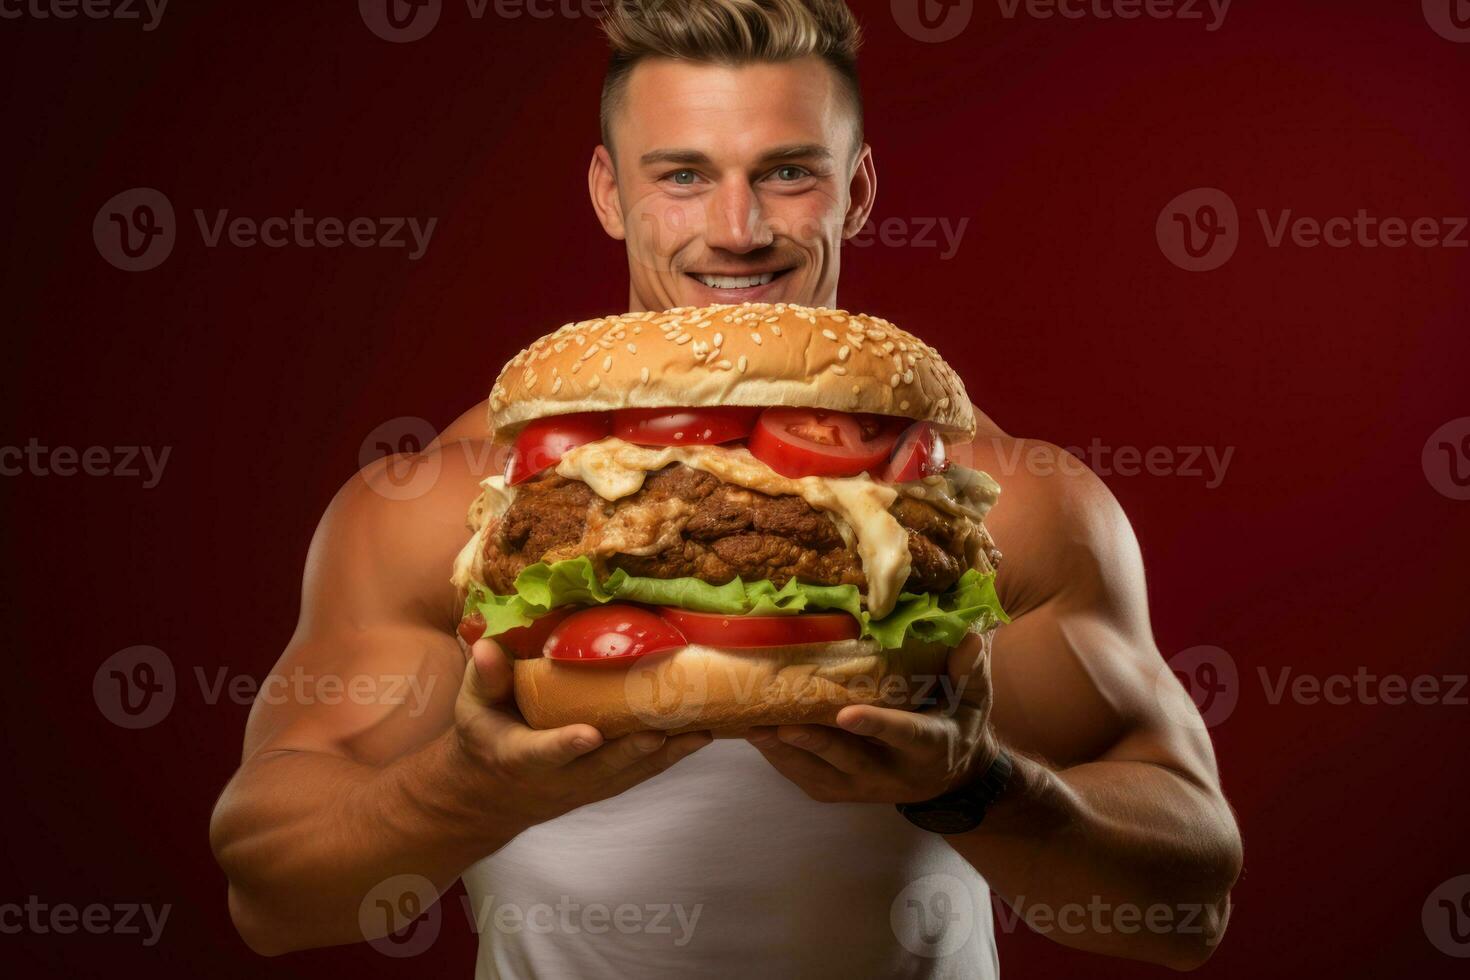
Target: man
x,y
733,166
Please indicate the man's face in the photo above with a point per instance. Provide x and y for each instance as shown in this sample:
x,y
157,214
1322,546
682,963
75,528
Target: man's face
x,y
733,184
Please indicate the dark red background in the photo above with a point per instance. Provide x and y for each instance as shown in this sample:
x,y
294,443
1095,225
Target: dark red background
x,y
1325,548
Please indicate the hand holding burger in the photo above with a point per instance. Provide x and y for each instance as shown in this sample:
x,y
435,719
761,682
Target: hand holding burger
x,y
728,517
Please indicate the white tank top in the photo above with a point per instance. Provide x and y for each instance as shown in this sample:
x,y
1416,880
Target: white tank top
x,y
721,867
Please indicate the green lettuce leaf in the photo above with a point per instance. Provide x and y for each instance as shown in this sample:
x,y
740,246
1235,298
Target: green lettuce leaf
x,y
931,617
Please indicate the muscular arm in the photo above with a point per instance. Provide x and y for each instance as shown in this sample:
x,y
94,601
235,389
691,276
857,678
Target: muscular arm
x,y
1115,808
413,761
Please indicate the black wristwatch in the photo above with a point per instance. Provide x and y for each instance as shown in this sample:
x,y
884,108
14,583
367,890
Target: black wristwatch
x,y
962,809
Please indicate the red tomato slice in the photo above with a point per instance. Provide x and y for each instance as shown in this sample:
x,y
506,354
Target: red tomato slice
x,y
523,643
544,442
615,632
683,426
714,629
919,453
797,442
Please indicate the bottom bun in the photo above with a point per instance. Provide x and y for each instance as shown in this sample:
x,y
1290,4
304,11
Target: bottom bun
x,y
697,688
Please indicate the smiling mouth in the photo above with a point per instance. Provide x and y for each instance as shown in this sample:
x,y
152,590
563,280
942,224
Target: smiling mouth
x,y
737,282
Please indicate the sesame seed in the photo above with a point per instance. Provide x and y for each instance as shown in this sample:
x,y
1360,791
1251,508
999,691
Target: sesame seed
x,y
908,377
637,329
576,367
723,365
632,348
719,339
838,369
775,329
856,389
607,363
888,347
893,381
556,385
756,338
643,375
581,340
843,352
595,383
743,363
683,338
903,405
702,324
829,334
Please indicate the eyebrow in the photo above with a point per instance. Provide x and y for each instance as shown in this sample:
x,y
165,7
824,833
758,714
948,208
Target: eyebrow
x,y
793,151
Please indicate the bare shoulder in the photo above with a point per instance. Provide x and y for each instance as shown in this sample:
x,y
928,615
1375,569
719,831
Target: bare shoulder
x,y
1060,530
385,547
473,425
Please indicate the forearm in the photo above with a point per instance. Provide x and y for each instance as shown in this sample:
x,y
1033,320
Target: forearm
x,y
305,837
1123,858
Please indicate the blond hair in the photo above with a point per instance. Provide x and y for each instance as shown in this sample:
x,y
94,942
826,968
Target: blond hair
x,y
729,32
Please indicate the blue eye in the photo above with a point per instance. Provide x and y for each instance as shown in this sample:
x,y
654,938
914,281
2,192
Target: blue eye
x,y
788,173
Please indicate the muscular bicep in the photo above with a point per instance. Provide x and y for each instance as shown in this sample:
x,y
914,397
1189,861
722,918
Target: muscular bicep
x,y
373,667
1077,675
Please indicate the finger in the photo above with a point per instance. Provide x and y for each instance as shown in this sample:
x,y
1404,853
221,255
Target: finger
x,y
619,754
842,751
676,748
551,748
901,730
968,663
488,676
816,777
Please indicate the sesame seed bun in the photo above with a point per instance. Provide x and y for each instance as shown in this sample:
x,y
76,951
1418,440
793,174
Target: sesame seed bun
x,y
754,354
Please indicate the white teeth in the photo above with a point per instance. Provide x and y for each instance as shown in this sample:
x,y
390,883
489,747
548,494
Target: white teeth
x,y
735,282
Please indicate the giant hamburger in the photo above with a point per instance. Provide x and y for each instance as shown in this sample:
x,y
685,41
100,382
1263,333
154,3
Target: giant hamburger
x,y
730,516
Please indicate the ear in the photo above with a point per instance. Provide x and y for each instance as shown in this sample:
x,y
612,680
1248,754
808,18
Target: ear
x,y
862,193
602,186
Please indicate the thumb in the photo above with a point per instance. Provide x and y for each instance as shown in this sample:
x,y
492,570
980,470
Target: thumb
x,y
488,676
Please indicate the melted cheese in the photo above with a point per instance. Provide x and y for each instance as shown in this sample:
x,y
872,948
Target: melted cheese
x,y
959,492
615,469
494,500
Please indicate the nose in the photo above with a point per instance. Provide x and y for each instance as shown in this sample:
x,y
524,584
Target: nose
x,y
735,221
